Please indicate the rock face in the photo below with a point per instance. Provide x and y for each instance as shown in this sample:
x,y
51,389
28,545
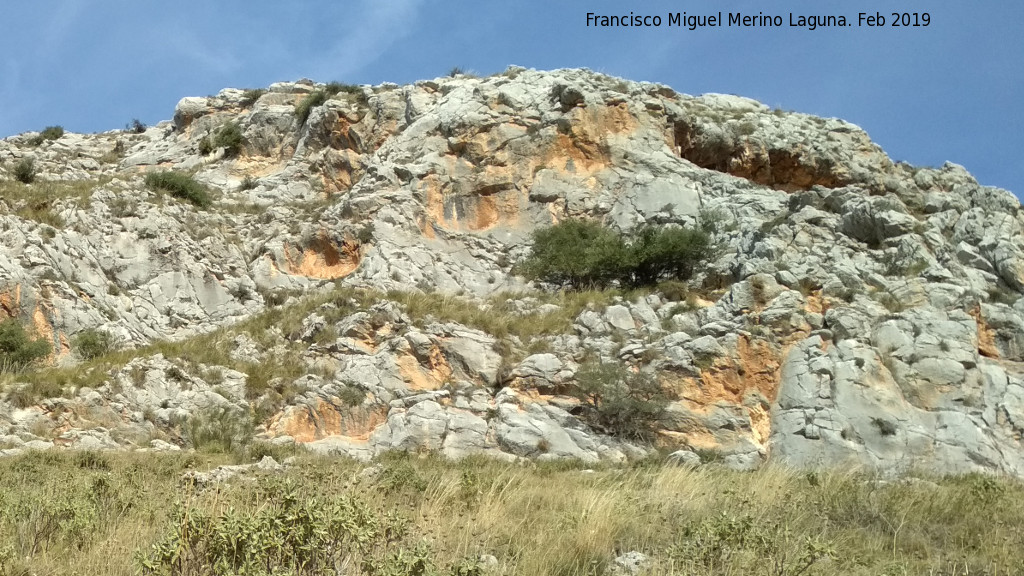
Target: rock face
x,y
859,312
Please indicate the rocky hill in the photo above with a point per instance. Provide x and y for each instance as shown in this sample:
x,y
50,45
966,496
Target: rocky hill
x,y
350,284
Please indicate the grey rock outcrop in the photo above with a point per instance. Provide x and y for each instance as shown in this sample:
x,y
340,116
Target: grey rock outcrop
x,y
857,310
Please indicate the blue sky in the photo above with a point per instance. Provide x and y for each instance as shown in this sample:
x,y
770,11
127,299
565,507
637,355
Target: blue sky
x,y
951,91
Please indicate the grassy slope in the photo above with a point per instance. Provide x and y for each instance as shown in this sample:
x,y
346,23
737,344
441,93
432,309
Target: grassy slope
x,y
88,513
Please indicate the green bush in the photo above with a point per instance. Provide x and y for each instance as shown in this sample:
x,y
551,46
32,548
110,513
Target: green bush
x,y
205,145
48,133
25,171
290,534
52,132
17,350
136,126
248,183
181,186
576,253
219,430
657,253
582,255
618,401
229,137
93,343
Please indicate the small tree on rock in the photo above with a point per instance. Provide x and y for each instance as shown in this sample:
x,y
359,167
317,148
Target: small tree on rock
x,y
575,253
582,254
619,401
17,350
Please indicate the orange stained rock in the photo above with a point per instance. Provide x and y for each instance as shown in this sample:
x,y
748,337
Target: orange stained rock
x,y
584,156
698,438
585,147
307,424
986,335
760,423
419,377
755,366
259,167
614,118
42,328
434,202
815,302
10,301
322,259
472,212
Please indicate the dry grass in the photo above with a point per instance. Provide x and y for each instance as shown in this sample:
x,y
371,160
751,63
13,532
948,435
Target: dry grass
x,y
281,324
704,521
499,317
36,201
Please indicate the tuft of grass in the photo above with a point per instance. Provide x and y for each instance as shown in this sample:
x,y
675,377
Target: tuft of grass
x,y
248,183
218,430
93,343
37,200
249,97
319,97
306,105
181,186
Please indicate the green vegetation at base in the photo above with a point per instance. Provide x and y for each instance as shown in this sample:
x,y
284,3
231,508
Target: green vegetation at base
x,y
119,514
181,186
17,349
218,430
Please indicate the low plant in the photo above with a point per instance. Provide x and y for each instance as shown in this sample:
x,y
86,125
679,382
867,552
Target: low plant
x,y
249,97
17,349
319,97
618,400
292,534
219,430
181,186
248,183
229,137
136,126
48,133
25,171
93,343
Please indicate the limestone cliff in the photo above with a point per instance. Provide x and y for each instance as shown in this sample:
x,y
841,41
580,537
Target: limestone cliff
x,y
860,311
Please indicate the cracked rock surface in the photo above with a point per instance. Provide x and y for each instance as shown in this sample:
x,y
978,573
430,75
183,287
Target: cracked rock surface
x,y
351,287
